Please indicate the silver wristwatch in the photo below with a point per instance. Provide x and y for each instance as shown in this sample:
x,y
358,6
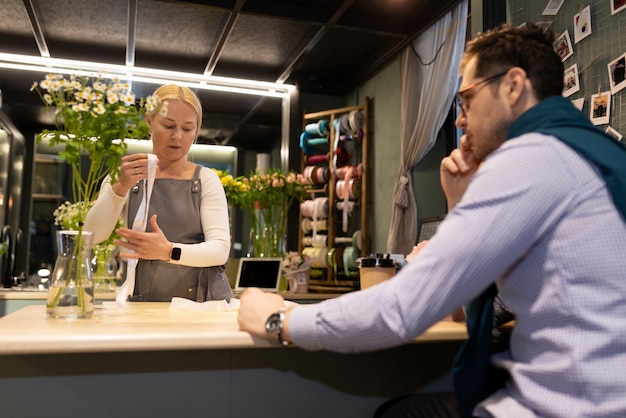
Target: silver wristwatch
x,y
274,328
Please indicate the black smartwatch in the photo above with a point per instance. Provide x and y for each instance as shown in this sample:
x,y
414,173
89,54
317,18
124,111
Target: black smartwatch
x,y
274,328
175,255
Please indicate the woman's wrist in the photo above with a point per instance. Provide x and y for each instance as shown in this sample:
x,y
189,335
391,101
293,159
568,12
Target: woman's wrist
x,y
119,190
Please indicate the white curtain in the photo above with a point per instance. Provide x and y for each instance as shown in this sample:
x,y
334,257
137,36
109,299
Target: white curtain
x,y
429,72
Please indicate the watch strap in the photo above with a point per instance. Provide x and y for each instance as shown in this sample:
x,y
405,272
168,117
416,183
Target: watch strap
x,y
274,328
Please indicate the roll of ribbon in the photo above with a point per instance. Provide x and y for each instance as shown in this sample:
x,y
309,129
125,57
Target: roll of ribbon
x,y
319,241
316,208
318,256
317,142
343,240
317,159
322,175
351,188
343,156
321,207
352,137
344,123
308,225
350,255
304,145
335,259
356,240
318,128
309,173
356,120
307,207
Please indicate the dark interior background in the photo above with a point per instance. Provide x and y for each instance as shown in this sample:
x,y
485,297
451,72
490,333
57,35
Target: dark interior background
x,y
321,46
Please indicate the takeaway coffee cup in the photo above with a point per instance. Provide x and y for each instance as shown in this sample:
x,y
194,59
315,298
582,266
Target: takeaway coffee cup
x,y
375,269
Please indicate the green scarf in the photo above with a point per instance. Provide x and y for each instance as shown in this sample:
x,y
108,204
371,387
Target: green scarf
x,y
474,376
557,116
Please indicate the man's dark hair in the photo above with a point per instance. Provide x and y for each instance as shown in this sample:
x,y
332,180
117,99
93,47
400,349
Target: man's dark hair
x,y
529,47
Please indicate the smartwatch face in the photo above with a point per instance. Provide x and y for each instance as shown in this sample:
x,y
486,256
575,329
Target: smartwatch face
x,y
176,253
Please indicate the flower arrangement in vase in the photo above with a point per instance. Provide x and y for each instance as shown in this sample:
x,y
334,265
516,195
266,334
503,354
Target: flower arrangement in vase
x,y
297,270
92,117
267,199
68,217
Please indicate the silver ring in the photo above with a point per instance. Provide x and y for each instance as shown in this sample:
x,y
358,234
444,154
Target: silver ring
x,y
136,171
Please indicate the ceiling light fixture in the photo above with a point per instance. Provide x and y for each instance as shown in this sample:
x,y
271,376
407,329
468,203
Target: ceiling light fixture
x,y
146,75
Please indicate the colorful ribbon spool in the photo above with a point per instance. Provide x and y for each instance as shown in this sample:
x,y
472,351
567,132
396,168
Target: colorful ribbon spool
x,y
335,259
350,255
350,188
319,256
355,118
316,208
352,137
319,128
317,142
308,225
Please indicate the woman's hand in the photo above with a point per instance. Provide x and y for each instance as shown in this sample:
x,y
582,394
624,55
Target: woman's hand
x,y
134,167
145,245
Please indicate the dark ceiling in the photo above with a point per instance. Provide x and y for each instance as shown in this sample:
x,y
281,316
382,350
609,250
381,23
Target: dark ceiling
x,y
321,46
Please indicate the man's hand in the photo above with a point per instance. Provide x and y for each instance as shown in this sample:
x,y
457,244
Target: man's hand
x,y
255,307
456,172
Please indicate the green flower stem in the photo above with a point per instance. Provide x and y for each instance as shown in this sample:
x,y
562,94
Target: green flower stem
x,y
74,265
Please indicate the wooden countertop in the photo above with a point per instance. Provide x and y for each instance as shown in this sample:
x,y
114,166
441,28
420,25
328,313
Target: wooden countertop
x,y
9,294
144,326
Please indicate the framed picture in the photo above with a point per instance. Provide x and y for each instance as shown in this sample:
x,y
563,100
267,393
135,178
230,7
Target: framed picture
x,y
570,81
563,46
579,103
617,73
612,132
600,108
617,6
545,24
582,24
553,7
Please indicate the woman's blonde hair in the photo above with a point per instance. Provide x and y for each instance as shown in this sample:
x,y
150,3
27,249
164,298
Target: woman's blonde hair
x,y
176,92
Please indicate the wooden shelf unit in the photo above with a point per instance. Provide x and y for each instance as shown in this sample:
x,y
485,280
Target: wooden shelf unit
x,y
333,277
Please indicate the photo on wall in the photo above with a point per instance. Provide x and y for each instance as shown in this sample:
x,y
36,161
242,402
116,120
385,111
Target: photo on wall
x,y
579,103
563,46
600,111
582,24
553,7
617,6
617,73
545,24
613,133
570,81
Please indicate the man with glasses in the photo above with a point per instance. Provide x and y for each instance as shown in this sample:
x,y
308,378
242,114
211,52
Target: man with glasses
x,y
537,214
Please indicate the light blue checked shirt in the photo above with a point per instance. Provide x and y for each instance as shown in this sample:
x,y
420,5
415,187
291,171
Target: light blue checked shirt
x,y
538,220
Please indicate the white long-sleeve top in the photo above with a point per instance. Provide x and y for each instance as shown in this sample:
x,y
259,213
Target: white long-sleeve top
x,y
214,251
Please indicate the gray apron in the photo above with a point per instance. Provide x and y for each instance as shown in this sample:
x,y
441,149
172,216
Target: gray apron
x,y
177,204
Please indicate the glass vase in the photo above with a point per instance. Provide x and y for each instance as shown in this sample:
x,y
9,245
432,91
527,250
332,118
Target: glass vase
x,y
71,284
104,268
269,226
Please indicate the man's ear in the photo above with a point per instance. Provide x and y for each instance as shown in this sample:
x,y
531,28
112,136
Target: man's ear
x,y
516,83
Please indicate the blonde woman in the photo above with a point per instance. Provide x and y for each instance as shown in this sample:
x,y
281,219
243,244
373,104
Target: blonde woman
x,y
182,250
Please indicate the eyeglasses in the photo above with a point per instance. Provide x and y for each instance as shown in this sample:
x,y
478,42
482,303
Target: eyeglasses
x,y
464,104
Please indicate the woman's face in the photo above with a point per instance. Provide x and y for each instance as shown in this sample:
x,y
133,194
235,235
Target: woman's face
x,y
173,134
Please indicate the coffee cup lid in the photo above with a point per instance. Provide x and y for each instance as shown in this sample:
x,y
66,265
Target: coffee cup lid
x,y
377,260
